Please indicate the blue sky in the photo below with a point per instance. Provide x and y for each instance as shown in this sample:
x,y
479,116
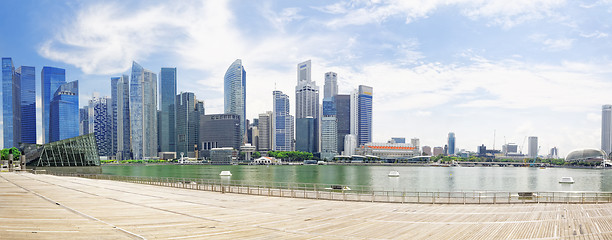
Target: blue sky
x,y
519,68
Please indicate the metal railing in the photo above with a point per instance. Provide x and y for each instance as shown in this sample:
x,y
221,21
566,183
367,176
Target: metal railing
x,y
356,193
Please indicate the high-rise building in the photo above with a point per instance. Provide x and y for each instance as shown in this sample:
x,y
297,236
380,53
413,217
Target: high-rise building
x,y
305,135
510,148
167,119
307,100
143,112
11,104
84,120
329,137
51,79
187,121
533,147
102,114
28,104
437,151
398,140
234,92
120,95
451,143
265,131
416,143
343,118
219,131
64,112
364,113
282,123
606,129
330,89
350,144
554,153
426,151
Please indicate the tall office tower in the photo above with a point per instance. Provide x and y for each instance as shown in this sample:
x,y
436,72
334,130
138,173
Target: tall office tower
x,y
265,131
84,120
220,130
234,92
354,112
305,135
50,80
426,151
350,143
11,104
533,147
143,112
437,151
364,113
554,152
330,89
167,122
307,102
606,129
201,111
451,144
416,143
28,104
282,123
120,94
329,129
102,114
187,119
64,112
343,119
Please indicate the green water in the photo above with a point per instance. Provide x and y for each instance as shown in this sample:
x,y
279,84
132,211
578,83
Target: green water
x,y
411,178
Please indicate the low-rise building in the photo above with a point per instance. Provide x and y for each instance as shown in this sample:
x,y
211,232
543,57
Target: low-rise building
x,y
388,150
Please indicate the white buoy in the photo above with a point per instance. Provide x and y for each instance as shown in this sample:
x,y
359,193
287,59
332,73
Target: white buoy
x,y
225,173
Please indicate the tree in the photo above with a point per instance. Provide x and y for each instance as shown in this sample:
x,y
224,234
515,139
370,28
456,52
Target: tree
x,y
256,155
4,154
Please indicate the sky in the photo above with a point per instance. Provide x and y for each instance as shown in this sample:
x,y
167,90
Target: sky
x,y
490,71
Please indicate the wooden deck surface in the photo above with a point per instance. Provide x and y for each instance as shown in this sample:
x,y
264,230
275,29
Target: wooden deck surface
x,y
52,207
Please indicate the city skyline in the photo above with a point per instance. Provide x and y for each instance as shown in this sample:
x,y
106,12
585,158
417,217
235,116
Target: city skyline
x,y
535,68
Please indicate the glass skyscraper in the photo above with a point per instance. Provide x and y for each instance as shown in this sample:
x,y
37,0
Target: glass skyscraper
x,y
143,112
307,100
120,95
343,118
102,109
364,113
606,128
11,104
282,123
234,92
330,88
167,119
329,128
451,143
50,80
305,135
28,104
187,124
64,112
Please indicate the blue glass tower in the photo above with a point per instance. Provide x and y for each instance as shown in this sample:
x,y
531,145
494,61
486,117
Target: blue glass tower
x,y
64,112
364,112
167,124
120,94
234,91
28,104
50,80
102,108
451,143
143,112
11,104
282,123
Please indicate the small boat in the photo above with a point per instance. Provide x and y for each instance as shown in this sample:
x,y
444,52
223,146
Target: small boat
x,y
339,187
569,180
225,173
394,174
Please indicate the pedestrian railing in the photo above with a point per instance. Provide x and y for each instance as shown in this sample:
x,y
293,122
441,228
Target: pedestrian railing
x,y
356,193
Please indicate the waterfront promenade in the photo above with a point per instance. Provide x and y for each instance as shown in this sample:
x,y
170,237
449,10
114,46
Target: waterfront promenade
x,y
53,207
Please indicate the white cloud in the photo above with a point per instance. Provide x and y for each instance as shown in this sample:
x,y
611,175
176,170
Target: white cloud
x,y
596,34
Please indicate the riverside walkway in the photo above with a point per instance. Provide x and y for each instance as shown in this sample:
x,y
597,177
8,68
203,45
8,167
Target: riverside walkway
x,y
54,207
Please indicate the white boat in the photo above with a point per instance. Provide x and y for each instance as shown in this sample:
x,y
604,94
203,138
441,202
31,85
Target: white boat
x,y
225,173
569,180
394,174
338,187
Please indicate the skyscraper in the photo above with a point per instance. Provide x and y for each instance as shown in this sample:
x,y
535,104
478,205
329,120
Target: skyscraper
x,y
451,143
282,123
329,128
533,147
305,135
187,120
234,92
364,113
350,143
168,98
84,120
28,104
307,101
51,79
265,131
64,112
606,129
143,112
218,131
343,118
330,89
102,114
120,94
11,104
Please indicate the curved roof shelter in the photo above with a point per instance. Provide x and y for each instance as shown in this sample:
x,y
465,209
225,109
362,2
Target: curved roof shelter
x,y
588,154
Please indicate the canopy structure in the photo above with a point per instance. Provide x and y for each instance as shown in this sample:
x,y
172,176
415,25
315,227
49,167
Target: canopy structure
x,y
588,154
78,151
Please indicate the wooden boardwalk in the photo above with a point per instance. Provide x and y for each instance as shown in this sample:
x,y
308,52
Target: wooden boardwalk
x,y
52,207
